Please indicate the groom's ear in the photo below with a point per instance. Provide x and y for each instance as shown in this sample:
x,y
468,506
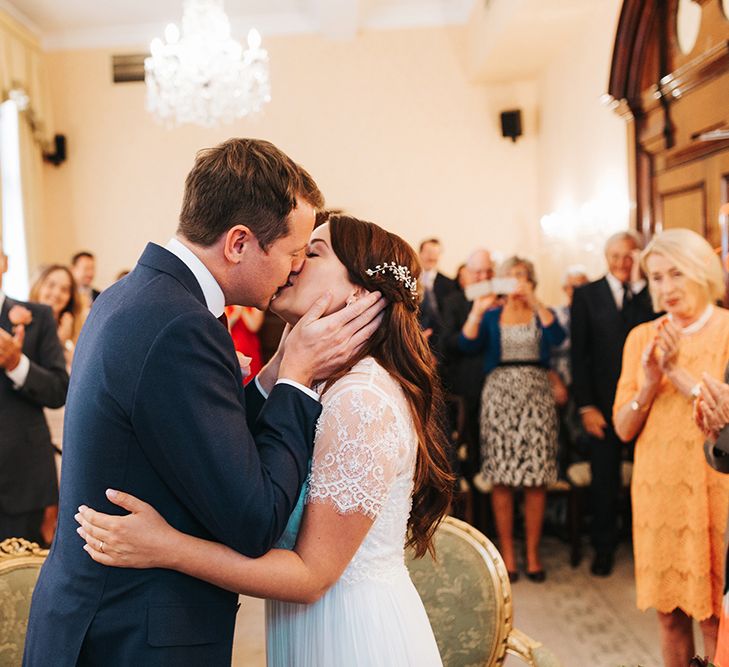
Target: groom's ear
x,y
237,240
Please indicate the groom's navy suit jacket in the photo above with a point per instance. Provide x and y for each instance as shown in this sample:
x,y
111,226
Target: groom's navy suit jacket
x,y
156,408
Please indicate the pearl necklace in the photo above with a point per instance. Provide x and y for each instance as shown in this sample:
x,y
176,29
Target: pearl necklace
x,y
698,324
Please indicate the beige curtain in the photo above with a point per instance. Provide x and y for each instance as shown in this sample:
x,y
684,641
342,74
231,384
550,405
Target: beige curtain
x,y
22,69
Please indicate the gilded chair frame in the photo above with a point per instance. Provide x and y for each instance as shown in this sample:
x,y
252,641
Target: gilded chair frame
x,y
509,640
16,552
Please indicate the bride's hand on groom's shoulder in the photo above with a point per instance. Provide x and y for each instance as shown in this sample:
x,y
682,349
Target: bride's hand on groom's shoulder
x,y
319,345
140,539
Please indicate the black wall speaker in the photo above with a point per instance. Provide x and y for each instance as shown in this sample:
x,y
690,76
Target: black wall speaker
x,y
511,124
59,155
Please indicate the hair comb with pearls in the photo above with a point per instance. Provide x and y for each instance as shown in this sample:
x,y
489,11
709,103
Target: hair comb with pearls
x,y
401,274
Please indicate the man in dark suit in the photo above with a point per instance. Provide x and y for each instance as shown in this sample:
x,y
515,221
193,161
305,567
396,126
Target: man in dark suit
x,y
157,408
83,267
32,377
436,287
463,373
602,314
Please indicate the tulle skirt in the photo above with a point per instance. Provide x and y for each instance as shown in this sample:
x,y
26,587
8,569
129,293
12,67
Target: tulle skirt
x,y
363,624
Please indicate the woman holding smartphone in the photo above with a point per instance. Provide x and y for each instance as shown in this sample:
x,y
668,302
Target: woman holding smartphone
x,y
518,412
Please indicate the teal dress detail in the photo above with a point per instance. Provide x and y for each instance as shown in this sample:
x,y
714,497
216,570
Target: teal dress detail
x,y
291,532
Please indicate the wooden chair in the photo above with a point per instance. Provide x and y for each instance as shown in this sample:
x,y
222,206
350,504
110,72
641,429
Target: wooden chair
x,y
460,448
20,563
467,596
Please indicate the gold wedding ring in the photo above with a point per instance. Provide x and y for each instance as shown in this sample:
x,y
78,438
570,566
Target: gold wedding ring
x,y
101,546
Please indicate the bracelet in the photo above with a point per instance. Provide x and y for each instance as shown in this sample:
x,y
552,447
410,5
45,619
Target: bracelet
x,y
637,407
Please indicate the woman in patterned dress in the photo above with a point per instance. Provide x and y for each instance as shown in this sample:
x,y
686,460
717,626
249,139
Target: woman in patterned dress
x,y
518,412
679,503
379,481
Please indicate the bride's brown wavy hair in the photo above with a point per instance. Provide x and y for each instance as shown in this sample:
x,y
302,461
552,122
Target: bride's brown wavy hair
x,y
400,348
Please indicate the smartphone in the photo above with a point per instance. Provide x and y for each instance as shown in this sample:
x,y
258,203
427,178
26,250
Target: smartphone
x,y
495,286
504,285
476,290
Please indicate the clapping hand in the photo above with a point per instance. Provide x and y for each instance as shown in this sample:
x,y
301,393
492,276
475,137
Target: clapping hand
x,y
11,348
711,410
667,339
650,363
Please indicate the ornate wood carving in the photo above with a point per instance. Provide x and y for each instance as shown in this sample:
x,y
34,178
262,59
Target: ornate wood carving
x,y
16,547
672,99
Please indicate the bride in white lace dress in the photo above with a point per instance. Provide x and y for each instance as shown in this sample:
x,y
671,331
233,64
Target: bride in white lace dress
x,y
338,588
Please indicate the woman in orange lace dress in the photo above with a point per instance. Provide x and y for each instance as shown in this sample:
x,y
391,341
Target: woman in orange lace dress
x,y
679,503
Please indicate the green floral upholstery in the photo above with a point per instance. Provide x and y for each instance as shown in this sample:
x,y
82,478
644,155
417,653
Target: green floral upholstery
x,y
460,599
20,563
467,596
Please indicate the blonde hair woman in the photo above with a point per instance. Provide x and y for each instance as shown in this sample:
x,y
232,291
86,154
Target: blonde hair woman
x,y
679,503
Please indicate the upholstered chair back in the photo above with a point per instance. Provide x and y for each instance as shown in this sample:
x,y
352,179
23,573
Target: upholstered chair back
x,y
467,596
20,563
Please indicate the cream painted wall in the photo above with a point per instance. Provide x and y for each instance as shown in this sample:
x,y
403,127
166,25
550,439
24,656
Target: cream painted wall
x,y
387,124
582,153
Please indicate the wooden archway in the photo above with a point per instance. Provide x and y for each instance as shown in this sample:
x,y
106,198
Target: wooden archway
x,y
676,103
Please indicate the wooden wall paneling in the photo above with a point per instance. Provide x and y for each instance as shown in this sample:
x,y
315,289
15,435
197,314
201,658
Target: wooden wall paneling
x,y
673,98
684,207
718,193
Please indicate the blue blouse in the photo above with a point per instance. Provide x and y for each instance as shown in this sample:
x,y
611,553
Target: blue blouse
x,y
488,340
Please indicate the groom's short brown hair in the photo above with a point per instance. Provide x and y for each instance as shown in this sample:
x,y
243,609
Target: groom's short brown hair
x,y
243,182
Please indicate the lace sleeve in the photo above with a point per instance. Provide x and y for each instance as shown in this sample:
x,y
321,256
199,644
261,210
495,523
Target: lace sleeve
x,y
356,452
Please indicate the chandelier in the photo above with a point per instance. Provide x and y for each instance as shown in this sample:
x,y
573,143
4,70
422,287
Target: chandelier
x,y
201,75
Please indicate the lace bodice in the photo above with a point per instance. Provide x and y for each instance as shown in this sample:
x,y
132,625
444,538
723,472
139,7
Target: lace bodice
x,y
364,461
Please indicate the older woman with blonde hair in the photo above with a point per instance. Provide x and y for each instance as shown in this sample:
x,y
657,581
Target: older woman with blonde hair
x,y
679,503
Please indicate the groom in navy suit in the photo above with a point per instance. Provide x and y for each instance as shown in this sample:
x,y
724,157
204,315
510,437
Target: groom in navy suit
x,y
156,407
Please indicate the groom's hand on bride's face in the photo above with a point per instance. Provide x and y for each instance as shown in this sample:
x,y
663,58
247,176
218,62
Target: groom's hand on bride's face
x,y
320,345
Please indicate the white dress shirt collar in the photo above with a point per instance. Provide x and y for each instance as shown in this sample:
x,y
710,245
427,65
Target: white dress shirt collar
x,y
428,278
616,287
214,297
2,299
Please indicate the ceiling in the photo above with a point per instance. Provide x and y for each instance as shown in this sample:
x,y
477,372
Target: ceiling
x,y
113,23
515,39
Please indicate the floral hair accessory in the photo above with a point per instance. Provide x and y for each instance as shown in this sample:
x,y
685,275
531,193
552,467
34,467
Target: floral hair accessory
x,y
401,274
20,315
